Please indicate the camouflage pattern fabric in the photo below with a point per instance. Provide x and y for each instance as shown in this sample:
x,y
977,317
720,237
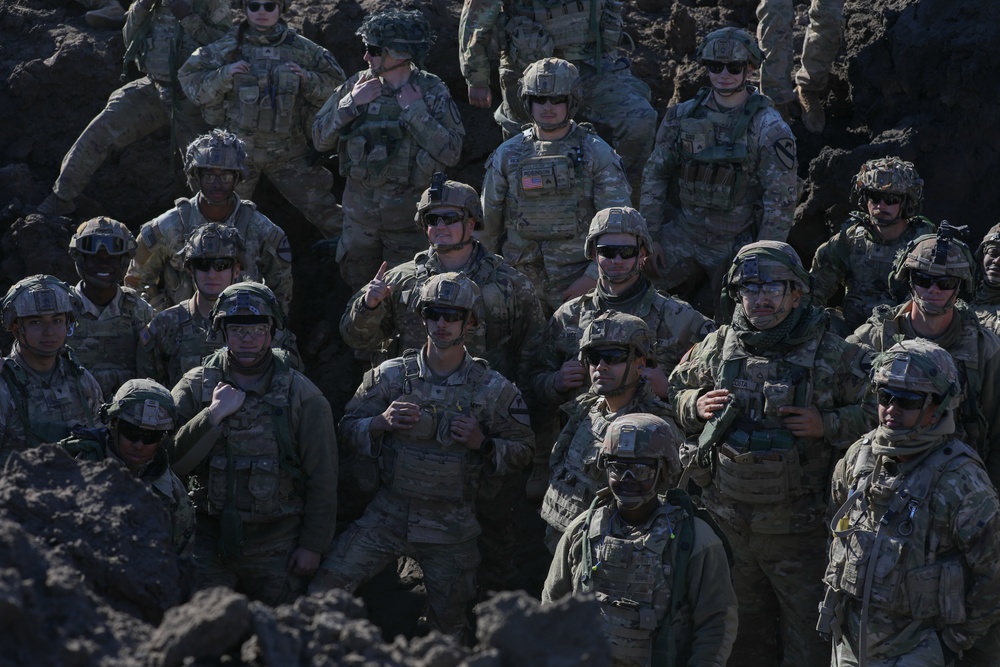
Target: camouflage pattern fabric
x,y
383,189
987,307
143,106
703,629
858,259
36,410
822,41
106,339
976,351
513,314
158,266
276,131
938,561
598,182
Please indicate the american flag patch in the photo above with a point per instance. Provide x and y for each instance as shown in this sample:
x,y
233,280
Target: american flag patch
x,y
531,182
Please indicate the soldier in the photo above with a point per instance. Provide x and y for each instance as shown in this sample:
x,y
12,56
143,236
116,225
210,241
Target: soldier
x,y
138,420
438,421
214,163
731,160
393,126
988,295
265,83
822,41
180,337
542,185
159,36
258,439
616,349
664,600
914,504
44,391
385,315
619,243
773,396
111,318
860,256
587,35
936,270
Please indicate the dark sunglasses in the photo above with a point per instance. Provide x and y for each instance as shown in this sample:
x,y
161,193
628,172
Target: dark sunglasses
x,y
217,264
925,280
90,245
374,51
733,68
906,400
887,199
266,6
226,178
623,251
136,434
435,313
642,472
610,356
550,99
435,219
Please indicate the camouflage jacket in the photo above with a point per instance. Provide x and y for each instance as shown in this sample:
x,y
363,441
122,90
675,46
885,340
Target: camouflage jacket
x,y
36,410
159,43
270,106
859,259
821,371
976,351
158,267
106,340
987,307
769,191
704,627
429,482
513,314
93,445
931,529
675,324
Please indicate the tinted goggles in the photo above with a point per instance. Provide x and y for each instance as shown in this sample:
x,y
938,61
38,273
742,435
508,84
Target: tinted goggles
x,y
266,6
90,245
217,264
435,313
225,178
610,356
925,280
136,434
374,51
906,400
623,251
435,219
548,99
640,471
884,197
733,68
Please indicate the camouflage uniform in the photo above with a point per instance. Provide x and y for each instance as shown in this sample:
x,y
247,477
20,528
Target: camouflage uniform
x,y
159,44
928,525
987,303
158,268
718,178
768,486
585,34
663,585
264,479
271,108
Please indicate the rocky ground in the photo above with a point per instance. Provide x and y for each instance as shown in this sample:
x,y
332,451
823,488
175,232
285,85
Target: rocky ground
x,y
77,585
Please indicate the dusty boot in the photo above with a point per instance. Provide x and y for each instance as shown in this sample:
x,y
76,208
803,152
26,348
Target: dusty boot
x,y
538,480
110,16
813,116
55,205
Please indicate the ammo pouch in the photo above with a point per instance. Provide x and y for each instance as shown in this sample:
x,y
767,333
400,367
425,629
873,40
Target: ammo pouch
x,y
612,25
937,591
566,498
527,42
254,489
366,153
548,198
762,467
426,474
247,91
711,176
630,625
365,471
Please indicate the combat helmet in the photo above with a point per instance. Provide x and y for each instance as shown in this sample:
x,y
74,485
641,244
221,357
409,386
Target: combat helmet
x,y
40,294
642,436
102,233
443,192
552,77
143,403
729,45
617,220
765,262
406,34
614,329
940,254
217,149
247,300
214,240
890,176
453,290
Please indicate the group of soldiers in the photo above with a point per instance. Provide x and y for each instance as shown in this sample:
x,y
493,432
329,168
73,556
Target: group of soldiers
x,y
841,460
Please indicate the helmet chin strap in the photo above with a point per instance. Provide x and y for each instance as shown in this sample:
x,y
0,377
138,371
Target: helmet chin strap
x,y
382,70
931,309
624,385
444,345
729,92
446,248
23,340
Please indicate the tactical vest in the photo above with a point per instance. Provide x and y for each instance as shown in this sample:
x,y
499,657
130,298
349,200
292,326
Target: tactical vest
x,y
762,462
253,464
424,463
159,58
265,97
553,191
989,316
714,156
882,549
579,28
191,344
47,413
108,347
